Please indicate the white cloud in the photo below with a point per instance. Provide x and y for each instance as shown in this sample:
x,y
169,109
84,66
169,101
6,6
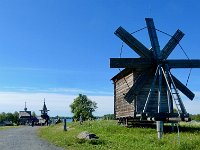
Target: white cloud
x,y
66,91
58,104
76,90
192,107
105,104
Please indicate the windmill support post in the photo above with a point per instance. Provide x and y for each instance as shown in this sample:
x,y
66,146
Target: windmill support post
x,y
159,125
172,125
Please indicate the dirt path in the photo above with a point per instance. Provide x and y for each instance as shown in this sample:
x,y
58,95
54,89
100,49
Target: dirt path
x,y
23,138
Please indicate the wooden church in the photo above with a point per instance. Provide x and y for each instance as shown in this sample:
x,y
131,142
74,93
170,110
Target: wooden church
x,y
44,119
25,116
146,91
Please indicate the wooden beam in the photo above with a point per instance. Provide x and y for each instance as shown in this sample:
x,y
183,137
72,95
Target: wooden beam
x,y
133,43
153,37
159,89
173,90
183,88
130,63
183,63
169,100
168,87
169,90
171,44
151,90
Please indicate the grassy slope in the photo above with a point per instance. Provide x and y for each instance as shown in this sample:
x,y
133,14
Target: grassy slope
x,y
113,136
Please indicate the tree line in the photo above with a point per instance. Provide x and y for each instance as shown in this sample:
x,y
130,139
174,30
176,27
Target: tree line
x,y
12,117
82,107
195,117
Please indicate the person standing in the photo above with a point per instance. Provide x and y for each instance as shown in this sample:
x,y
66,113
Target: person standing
x,y
32,123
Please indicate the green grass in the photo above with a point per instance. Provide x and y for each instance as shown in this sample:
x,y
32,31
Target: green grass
x,y
116,137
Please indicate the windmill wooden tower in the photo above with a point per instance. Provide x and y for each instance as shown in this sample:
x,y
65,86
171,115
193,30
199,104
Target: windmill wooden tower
x,y
146,90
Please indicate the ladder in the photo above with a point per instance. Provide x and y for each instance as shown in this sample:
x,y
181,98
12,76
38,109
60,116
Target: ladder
x,y
177,99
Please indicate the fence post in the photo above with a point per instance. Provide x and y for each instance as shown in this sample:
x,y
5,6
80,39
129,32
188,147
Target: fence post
x,y
65,124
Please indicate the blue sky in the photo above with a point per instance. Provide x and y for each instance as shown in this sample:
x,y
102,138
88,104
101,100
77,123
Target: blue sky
x,y
63,47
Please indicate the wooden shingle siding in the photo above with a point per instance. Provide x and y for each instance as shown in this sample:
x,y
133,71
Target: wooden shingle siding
x,y
123,108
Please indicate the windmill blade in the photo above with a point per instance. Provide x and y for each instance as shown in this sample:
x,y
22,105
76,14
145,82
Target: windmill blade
x,y
171,44
137,86
153,37
183,88
130,62
183,63
133,43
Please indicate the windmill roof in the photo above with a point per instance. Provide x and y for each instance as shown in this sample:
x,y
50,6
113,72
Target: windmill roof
x,y
24,113
122,74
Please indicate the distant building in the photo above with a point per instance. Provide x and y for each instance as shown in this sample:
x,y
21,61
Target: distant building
x,y
24,116
6,123
44,119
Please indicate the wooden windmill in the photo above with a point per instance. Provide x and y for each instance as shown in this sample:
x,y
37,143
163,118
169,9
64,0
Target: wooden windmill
x,y
146,90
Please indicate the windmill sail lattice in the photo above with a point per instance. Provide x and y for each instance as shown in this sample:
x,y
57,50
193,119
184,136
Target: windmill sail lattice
x,y
154,90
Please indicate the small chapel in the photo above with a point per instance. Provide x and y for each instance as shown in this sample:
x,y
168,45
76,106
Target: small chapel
x,y
25,116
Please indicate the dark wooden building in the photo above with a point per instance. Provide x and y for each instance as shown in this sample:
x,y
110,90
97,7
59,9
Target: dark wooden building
x,y
133,105
25,116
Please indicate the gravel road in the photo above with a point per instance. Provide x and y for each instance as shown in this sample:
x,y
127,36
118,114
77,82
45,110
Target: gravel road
x,y
23,138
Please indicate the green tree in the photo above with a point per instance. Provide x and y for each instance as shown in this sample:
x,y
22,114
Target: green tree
x,y
195,117
82,106
34,114
16,117
109,117
9,117
3,116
